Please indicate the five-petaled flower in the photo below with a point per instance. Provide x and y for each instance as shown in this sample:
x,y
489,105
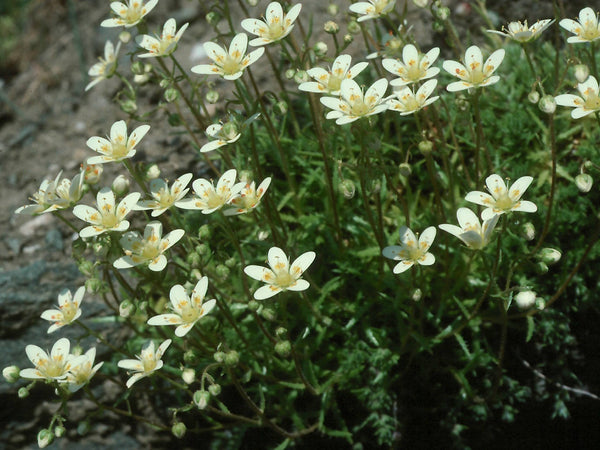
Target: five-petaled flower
x,y
475,73
221,135
372,9
587,103
209,198
163,196
107,217
186,310
414,67
105,67
128,14
521,32
164,44
230,64
249,197
470,231
53,366
405,101
410,251
281,276
502,200
118,146
586,30
147,362
330,81
276,25
82,370
54,194
148,249
353,104
68,309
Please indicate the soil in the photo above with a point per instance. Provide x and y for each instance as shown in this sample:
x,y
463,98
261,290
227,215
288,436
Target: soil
x,y
45,120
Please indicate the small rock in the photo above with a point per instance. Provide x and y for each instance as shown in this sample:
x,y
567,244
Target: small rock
x,y
29,228
54,239
14,244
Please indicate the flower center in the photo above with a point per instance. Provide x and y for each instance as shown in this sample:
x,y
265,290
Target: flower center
x,y
109,220
359,108
477,76
504,203
215,200
415,72
189,314
284,279
334,83
275,30
68,311
165,198
149,364
119,150
590,31
410,104
53,367
149,251
231,66
592,101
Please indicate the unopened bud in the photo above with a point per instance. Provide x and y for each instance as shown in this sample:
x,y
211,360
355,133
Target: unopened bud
x,y
550,255
92,172
405,169
124,36
533,97
331,27
189,357
348,189
178,429
213,18
584,182
301,76
152,172
442,13
23,392
420,3
171,95
204,232
280,107
201,399
231,358
332,9
582,73
120,185
290,73
525,299
320,49
547,104
528,231
59,431
137,68
253,305
11,374
214,389
425,147
252,2
188,376
262,235
212,96
348,38
128,106
93,285
353,27
280,332
45,438
541,268
222,271
416,295
126,308
193,259
219,357
283,348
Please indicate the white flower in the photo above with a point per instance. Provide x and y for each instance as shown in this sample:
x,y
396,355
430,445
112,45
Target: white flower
x,y
186,311
586,30
372,9
164,44
275,27
221,135
411,252
475,73
107,217
281,276
330,81
105,67
147,362
54,195
209,198
414,67
405,101
230,64
148,249
521,32
164,197
587,103
54,366
128,14
502,200
525,299
353,104
249,198
470,231
118,147
82,370
68,309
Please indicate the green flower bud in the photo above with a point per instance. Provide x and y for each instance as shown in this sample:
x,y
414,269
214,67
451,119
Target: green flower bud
x,y
331,27
178,429
23,392
165,83
231,262
283,348
549,255
85,267
152,172
533,97
214,389
11,374
290,73
348,38
201,399
253,305
171,95
301,76
547,104
59,431
204,232
128,106
174,120
332,9
416,295
252,2
541,268
189,357
280,107
320,49
194,259
426,147
442,13
45,438
405,169
584,182
93,285
202,249
120,185
525,299
222,271
268,314
213,18
126,308
219,356
582,72
137,68
528,231
124,36
353,27
281,332
212,96
231,358
347,188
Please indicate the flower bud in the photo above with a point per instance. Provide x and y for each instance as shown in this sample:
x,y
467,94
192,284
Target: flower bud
x,y
11,374
533,97
202,249
219,357
262,235
124,36
213,18
348,189
547,104
152,172
331,27
178,429
320,49
165,83
59,431
301,76
582,73
137,68
416,295
212,96
93,285
23,392
189,357
442,13
126,308
280,107
92,172
525,299
201,399
120,185
128,106
231,262
584,182
283,348
549,255
231,358
45,438
252,2
425,147
85,267
204,232
188,376
332,9
280,332
541,268
290,73
268,314
171,95
222,271
353,27
214,389
253,305
528,231
405,169
348,38
420,3
193,259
